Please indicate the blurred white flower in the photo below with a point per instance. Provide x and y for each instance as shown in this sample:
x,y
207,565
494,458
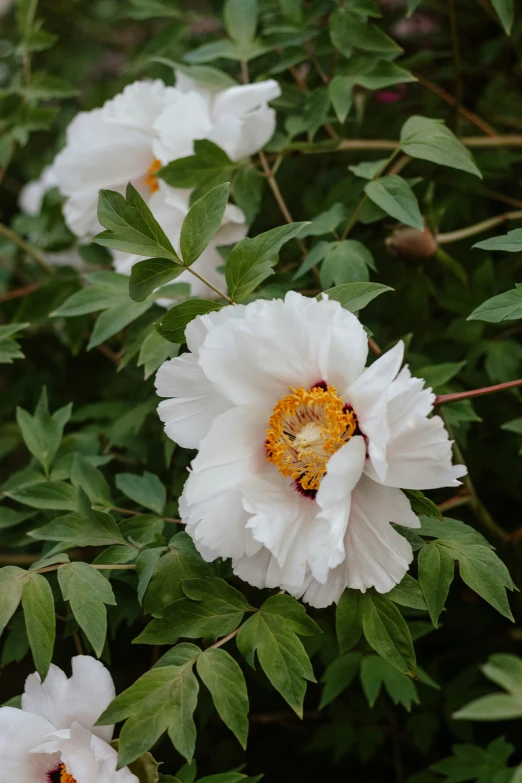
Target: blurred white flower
x,y
5,6
53,738
302,451
147,126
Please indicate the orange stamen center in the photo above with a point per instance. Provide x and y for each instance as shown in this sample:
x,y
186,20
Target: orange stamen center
x,y
151,179
306,427
64,776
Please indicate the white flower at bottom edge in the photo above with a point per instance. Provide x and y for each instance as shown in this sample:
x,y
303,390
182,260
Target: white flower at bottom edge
x,y
53,739
302,451
170,207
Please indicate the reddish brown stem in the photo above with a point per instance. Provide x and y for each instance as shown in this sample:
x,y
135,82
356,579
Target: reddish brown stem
x,y
18,292
443,399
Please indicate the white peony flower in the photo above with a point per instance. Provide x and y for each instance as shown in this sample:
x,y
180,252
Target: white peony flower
x,y
5,6
302,451
53,739
147,126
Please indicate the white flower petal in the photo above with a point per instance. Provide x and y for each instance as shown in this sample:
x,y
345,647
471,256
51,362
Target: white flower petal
x,y
251,363
83,697
195,401
376,554
176,139
87,758
212,500
32,194
97,155
333,498
138,106
20,732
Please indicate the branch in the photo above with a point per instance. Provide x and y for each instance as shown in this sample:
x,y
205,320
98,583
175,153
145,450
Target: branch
x,y
444,399
477,228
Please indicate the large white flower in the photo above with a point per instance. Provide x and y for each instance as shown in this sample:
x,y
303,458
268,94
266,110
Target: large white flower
x,y
302,451
53,739
146,126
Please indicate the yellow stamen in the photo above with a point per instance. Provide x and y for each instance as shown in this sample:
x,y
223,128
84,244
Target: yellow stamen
x,y
151,179
64,776
306,427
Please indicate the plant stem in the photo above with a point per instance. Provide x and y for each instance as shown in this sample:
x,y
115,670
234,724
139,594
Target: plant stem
x,y
353,220
477,228
443,399
274,187
456,502
213,287
139,514
17,240
18,292
367,145
469,115
224,640
244,72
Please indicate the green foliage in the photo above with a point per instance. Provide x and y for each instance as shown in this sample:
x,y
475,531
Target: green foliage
x,y
364,188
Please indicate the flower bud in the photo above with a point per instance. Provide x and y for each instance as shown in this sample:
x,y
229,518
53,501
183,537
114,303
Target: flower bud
x,y
411,244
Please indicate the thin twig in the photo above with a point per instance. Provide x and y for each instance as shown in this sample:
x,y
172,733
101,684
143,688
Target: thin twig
x,y
444,399
478,228
469,115
274,187
244,72
224,640
17,240
140,513
370,145
355,215
109,353
18,292
213,287
456,502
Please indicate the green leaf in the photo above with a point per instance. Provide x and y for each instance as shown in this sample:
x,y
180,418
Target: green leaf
x,y
173,324
251,260
483,571
355,296
346,261
316,111
43,432
9,348
40,621
154,351
163,698
12,580
408,593
506,13
428,139
349,30
54,495
376,672
436,570
248,191
116,318
280,652
472,762
208,167
87,592
348,619
150,274
146,490
509,243
92,299
131,225
504,670
180,561
192,620
420,504
341,96
503,307
386,632
225,681
85,475
452,530
338,676
395,197
85,527
368,169
326,222
229,50
203,221
44,86
241,20
437,375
